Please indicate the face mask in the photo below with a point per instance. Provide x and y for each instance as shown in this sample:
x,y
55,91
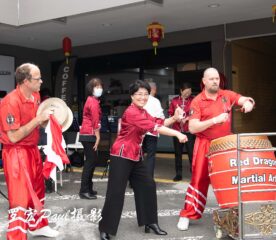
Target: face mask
x,y
97,92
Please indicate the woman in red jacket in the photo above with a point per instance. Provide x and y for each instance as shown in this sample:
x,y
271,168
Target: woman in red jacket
x,y
126,164
184,102
90,136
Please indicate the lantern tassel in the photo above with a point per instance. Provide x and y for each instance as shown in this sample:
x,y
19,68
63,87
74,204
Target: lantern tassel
x,y
155,45
273,13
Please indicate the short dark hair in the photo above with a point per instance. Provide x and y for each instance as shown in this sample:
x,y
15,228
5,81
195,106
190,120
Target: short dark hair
x,y
134,87
185,85
24,72
93,82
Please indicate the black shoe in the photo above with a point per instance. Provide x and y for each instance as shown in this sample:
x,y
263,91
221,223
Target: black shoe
x,y
87,196
49,186
177,178
104,236
94,192
154,227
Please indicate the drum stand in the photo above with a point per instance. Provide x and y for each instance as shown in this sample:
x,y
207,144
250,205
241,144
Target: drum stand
x,y
226,222
250,220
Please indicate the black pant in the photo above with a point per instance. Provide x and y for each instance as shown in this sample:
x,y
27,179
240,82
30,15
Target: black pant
x,y
178,148
149,147
121,170
88,167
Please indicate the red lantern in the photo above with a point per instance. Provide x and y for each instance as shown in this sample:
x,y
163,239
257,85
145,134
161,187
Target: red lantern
x,y
155,33
67,47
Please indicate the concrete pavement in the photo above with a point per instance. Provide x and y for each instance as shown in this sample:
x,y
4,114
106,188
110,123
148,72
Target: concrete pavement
x,y
76,218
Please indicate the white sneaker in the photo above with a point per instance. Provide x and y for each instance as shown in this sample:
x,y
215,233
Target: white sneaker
x,y
44,231
183,224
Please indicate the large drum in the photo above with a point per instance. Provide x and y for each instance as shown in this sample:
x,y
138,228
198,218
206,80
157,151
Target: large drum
x,y
258,170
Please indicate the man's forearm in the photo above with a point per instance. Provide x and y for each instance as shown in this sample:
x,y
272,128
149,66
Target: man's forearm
x,y
243,99
196,126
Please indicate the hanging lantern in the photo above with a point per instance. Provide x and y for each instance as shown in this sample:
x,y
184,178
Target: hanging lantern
x,y
273,12
67,48
155,34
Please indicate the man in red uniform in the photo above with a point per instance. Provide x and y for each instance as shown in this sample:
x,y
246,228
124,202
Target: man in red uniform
x,y
210,117
19,134
184,102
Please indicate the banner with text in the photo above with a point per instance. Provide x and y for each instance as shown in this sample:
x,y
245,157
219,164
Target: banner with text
x,y
65,80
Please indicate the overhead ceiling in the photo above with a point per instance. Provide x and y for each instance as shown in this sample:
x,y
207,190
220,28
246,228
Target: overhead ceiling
x,y
116,19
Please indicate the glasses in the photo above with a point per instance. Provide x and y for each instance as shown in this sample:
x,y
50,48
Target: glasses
x,y
37,79
141,94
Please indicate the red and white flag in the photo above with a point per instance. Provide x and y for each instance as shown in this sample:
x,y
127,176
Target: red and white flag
x,y
54,150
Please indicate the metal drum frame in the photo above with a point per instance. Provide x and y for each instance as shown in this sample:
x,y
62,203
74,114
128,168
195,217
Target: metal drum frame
x,y
262,219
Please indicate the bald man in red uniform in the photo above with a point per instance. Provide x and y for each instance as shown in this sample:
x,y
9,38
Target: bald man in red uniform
x,y
19,134
210,117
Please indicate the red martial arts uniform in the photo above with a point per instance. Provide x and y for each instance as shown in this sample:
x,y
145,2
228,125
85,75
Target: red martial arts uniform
x,y
185,105
135,123
91,121
91,116
22,166
203,109
126,164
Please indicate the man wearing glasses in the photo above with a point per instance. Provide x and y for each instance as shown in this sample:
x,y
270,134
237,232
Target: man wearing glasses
x,y
19,134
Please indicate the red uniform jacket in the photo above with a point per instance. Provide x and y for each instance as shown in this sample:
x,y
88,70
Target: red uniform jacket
x,y
16,111
184,104
134,125
91,116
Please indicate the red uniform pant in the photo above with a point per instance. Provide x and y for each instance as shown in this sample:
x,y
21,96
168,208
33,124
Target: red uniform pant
x,y
25,183
196,195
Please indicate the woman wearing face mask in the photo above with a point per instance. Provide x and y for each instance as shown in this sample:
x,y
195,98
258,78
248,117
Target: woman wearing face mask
x,y
90,136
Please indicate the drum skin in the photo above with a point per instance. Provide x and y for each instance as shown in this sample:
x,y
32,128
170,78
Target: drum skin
x,y
258,170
